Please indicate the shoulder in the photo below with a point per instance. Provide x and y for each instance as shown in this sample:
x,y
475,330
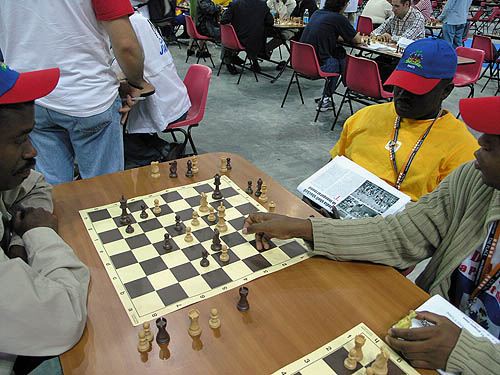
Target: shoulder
x,y
417,15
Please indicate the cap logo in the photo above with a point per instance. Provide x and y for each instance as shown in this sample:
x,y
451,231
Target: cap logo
x,y
415,59
3,66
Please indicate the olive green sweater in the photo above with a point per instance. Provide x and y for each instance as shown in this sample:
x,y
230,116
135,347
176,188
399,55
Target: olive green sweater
x,y
446,225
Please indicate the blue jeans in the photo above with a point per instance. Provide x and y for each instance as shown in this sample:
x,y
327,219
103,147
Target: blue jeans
x,y
332,65
454,34
96,141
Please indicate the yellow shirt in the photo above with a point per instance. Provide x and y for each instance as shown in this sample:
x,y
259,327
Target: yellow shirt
x,y
222,3
367,132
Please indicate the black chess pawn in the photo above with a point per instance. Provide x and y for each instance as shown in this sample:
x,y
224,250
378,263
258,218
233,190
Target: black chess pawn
x,y
144,214
249,189
167,245
259,186
217,193
243,302
204,261
228,164
162,337
216,244
129,228
189,172
178,225
173,169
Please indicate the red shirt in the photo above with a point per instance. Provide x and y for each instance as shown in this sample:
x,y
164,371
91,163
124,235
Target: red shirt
x,y
106,10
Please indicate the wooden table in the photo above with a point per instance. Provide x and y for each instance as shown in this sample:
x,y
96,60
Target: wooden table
x,y
292,312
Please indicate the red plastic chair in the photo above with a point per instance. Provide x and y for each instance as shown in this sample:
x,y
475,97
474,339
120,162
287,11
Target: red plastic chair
x,y
473,21
197,81
365,25
362,79
486,21
484,43
468,74
229,40
305,63
196,36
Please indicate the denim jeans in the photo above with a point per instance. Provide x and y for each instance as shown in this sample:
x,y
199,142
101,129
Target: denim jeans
x,y
454,34
96,141
332,65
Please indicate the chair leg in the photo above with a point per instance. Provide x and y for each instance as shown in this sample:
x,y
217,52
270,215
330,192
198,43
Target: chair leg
x,y
220,66
350,103
471,93
190,138
287,89
242,69
209,55
340,108
300,90
318,108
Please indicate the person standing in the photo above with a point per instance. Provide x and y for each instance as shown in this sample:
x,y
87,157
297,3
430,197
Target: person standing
x,y
454,18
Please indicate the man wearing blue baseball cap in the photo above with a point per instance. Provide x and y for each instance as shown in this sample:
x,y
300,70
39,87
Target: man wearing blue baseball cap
x,y
43,285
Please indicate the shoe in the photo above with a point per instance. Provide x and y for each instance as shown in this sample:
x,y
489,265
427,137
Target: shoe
x,y
190,52
281,65
327,105
256,66
203,54
232,69
236,60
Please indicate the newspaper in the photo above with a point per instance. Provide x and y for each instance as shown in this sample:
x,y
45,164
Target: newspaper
x,y
354,191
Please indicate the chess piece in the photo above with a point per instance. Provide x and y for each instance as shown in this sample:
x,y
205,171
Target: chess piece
x,y
243,304
204,258
188,237
189,172
195,222
167,245
406,321
203,203
143,345
129,228
228,164
147,331
249,188
224,256
144,214
350,361
379,367
178,226
272,207
221,225
155,169
194,160
162,337
214,321
157,209
216,245
359,341
217,193
263,192
223,162
194,327
259,185
211,216
124,215
173,169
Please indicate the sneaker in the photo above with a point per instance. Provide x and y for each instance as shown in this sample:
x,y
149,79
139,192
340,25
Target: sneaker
x,y
190,52
236,60
327,105
231,69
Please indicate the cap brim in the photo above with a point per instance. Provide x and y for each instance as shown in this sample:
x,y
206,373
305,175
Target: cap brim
x,y
411,82
482,114
31,85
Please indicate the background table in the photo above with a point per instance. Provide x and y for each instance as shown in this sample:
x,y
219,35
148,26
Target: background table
x,y
292,312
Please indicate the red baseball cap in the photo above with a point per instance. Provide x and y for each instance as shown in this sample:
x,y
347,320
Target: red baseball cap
x,y
482,114
23,87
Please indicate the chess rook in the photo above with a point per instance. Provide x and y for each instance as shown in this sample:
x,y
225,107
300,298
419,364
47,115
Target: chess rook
x,y
194,327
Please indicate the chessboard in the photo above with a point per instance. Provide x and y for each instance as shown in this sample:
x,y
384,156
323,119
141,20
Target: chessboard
x,y
329,359
151,281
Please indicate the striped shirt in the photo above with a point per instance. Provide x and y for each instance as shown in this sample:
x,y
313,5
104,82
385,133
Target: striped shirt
x,y
412,26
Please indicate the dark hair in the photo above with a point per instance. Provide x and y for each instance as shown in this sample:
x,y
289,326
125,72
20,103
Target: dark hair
x,y
403,2
5,109
335,5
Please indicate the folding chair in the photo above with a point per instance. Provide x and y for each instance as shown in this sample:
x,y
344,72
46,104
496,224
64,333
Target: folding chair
x,y
468,74
364,26
473,21
490,57
486,21
196,36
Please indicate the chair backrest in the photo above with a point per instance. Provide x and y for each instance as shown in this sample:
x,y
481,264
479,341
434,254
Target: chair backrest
x,y
229,39
477,15
365,25
484,43
472,71
191,28
304,59
197,81
362,76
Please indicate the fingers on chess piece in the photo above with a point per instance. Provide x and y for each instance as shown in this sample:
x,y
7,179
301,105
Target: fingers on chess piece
x,y
214,321
189,171
143,345
167,245
195,222
223,165
162,337
194,160
194,327
173,169
211,216
204,258
155,169
144,214
259,186
350,362
243,304
188,237
406,321
157,208
263,192
272,207
224,255
203,203
147,331
249,189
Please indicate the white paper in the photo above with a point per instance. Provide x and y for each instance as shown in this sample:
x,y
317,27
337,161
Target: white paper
x,y
380,47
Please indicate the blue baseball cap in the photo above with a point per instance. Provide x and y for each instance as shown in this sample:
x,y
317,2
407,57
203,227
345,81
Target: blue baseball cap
x,y
23,87
423,64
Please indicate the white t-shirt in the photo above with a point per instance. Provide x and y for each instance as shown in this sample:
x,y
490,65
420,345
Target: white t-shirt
x,y
171,99
377,10
352,6
38,34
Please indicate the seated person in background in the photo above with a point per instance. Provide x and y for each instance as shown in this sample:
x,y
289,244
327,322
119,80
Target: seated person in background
x,y
280,9
406,22
425,7
43,285
422,80
323,31
169,104
208,19
455,226
378,11
249,19
302,5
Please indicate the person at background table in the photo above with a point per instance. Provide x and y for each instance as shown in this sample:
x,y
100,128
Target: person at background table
x,y
323,31
80,119
208,19
424,6
406,22
43,285
351,10
280,9
302,5
378,11
454,18
454,225
249,19
422,81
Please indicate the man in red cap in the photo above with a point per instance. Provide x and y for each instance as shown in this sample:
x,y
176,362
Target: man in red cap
x,y
456,225
43,285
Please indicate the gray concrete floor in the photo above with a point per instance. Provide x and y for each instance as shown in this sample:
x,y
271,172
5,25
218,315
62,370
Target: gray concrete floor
x,y
285,143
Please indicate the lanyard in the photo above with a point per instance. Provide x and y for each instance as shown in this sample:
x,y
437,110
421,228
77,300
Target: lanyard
x,y
484,279
406,166
404,23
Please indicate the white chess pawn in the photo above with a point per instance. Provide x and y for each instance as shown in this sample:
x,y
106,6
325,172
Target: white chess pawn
x,y
143,345
157,209
214,321
194,160
224,256
272,207
195,222
263,195
188,237
147,331
223,165
211,216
